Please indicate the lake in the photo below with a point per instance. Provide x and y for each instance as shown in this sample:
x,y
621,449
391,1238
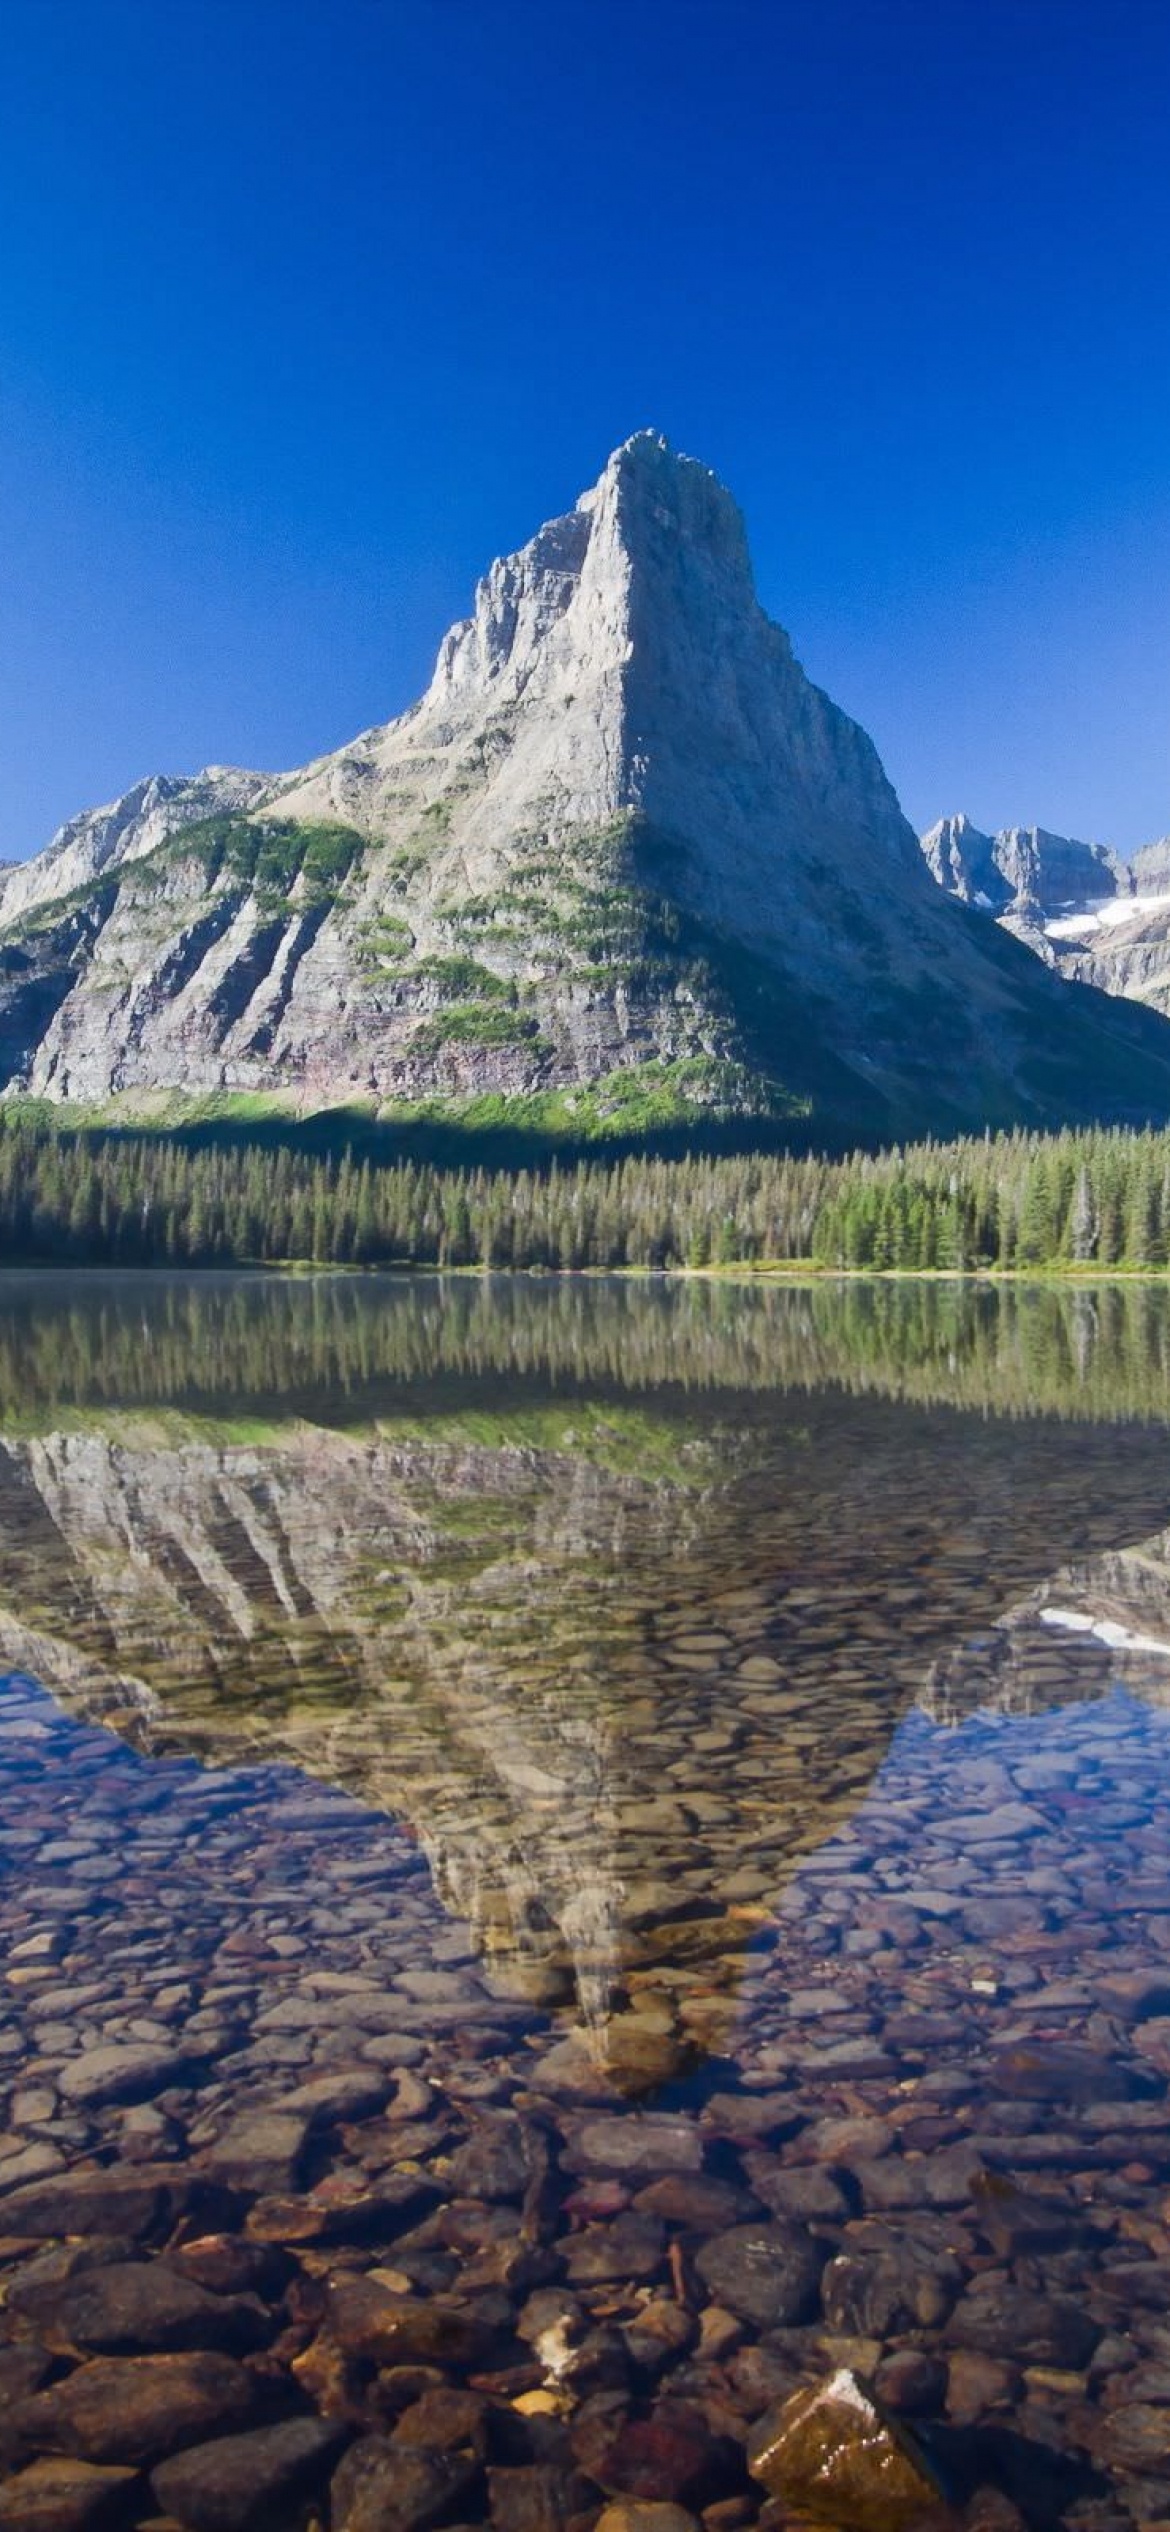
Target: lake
x,y
576,1856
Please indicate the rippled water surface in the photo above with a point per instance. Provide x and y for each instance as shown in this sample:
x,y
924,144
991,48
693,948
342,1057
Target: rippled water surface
x,y
573,1856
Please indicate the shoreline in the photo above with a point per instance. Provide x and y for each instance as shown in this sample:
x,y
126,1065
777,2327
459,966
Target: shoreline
x,y
793,1271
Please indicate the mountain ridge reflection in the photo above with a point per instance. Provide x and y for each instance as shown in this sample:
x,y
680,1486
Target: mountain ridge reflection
x,y
621,1655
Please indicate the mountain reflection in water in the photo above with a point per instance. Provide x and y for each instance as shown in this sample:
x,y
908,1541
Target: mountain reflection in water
x,y
614,1593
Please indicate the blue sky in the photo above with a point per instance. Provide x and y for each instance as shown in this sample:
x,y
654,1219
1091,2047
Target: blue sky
x,y
309,307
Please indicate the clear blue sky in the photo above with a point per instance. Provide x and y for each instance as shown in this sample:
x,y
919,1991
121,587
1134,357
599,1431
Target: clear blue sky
x,y
309,307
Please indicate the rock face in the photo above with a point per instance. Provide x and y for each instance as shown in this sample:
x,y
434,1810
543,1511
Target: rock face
x,y
1023,870
621,849
1096,920
102,840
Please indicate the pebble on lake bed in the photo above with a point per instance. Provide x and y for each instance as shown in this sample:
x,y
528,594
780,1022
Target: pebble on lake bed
x,y
835,2454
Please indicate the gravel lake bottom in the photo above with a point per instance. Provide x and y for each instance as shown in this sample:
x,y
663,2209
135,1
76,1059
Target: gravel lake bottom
x,y
579,1861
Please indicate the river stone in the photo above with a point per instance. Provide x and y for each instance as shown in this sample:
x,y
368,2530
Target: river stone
x,y
803,2192
911,2383
977,2383
631,2514
35,2163
136,2408
261,2151
64,2496
356,2092
1136,2438
632,2246
834,2454
139,2307
123,2073
672,2454
492,2164
645,2142
694,2199
443,2418
903,2286
374,2321
1024,2328
1135,1995
224,2486
534,2497
129,2204
383,2487
768,2274
1043,2070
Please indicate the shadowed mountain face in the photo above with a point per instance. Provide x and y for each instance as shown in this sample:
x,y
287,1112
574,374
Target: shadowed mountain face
x,y
622,856
619,1646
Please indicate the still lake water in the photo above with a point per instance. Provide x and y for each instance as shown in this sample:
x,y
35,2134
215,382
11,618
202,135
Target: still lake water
x,y
633,1816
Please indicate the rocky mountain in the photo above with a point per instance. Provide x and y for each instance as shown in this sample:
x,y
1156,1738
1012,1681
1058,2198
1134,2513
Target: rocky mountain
x,y
1023,871
1097,920
622,860
104,839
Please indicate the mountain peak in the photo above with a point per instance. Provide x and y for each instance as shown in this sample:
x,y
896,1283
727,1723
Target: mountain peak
x,y
656,492
622,851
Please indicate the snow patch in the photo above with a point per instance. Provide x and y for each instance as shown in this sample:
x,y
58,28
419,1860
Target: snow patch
x,y
1105,917
1120,1639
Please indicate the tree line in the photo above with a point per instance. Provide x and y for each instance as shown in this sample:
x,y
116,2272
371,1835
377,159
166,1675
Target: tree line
x,y
1093,1199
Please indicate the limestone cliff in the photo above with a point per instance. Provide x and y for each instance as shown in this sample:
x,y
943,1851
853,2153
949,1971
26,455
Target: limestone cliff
x,y
621,846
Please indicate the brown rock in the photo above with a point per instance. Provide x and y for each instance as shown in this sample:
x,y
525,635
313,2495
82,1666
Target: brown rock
x,y
371,2320
535,2498
382,2487
977,2383
228,2264
672,2454
136,2408
64,2496
1136,2438
697,2201
633,2246
224,2486
137,2307
1043,2070
631,2514
834,2454
129,2204
911,2383
445,2419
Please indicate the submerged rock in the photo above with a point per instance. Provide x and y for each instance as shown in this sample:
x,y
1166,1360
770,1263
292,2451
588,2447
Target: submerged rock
x,y
766,2273
834,2453
123,2073
383,2487
225,2485
64,2496
139,2307
136,2408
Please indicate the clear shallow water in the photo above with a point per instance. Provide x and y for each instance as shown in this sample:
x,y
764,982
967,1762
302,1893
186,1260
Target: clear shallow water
x,y
674,1768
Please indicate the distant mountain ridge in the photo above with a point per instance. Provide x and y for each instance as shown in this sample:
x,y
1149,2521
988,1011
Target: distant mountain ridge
x,y
1095,918
622,863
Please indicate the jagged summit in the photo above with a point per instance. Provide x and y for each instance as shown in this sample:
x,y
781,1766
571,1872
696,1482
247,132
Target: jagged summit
x,y
1022,869
622,862
1096,919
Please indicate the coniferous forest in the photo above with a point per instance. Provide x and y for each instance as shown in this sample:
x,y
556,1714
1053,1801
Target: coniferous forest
x,y
1014,1203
